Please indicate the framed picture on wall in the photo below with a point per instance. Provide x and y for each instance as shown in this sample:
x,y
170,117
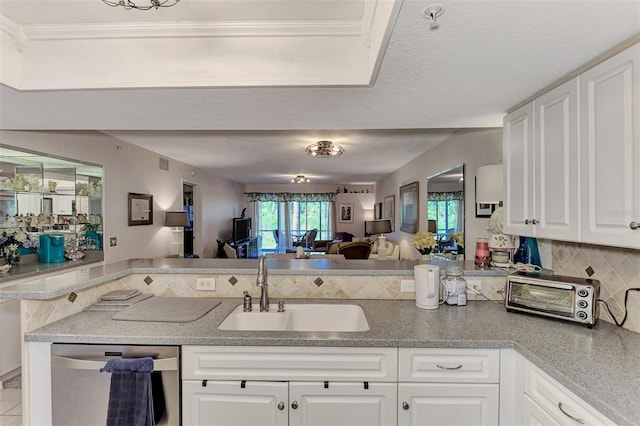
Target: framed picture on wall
x,y
378,211
140,209
388,210
345,213
409,208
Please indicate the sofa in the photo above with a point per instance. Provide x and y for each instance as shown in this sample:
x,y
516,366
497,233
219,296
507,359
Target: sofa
x,y
393,249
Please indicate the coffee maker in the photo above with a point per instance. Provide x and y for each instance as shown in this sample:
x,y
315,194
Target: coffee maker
x,y
51,248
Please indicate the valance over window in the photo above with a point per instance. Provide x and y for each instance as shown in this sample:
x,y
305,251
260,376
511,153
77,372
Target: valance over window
x,y
445,196
290,196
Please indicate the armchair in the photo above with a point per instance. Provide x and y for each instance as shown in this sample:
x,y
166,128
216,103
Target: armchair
x,y
306,241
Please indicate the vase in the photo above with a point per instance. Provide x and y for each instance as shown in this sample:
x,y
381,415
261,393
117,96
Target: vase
x,y
12,257
528,252
426,257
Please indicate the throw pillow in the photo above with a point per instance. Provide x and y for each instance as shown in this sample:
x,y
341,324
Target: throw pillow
x,y
344,236
230,251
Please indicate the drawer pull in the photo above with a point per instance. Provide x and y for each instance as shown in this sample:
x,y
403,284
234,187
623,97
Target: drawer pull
x,y
634,225
442,367
569,415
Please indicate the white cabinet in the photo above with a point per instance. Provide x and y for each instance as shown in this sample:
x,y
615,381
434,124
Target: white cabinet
x,y
448,386
556,401
289,385
540,154
342,403
237,403
610,151
63,204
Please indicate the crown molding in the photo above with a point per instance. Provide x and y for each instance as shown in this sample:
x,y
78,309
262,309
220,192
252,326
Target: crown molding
x,y
192,30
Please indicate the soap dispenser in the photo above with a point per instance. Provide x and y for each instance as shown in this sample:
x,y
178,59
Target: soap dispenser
x,y
246,302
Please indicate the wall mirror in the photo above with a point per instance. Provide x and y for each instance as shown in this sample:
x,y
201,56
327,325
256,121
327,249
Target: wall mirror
x,y
445,211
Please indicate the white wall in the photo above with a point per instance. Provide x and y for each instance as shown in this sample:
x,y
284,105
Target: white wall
x,y
474,148
128,168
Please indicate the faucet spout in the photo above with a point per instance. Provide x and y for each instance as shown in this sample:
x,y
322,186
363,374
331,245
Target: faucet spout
x,y
261,282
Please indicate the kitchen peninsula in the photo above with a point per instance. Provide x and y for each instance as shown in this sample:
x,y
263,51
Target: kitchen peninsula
x,y
599,365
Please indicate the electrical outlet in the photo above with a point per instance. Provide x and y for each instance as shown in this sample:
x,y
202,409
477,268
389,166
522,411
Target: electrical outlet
x,y
474,289
113,241
407,286
206,284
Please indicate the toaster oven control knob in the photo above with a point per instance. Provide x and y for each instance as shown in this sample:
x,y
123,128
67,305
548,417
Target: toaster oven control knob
x,y
583,292
582,304
581,315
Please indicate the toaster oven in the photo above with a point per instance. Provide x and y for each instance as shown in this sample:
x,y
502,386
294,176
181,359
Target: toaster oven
x,y
556,296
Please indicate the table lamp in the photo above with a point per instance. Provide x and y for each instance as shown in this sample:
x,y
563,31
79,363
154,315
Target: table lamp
x,y
176,220
381,226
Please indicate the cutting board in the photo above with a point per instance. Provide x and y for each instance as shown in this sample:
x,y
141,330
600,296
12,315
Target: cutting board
x,y
167,309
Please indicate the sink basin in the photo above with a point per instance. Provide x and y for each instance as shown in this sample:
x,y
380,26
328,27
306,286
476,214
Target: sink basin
x,y
298,317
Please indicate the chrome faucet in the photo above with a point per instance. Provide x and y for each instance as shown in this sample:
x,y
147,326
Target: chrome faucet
x,y
261,282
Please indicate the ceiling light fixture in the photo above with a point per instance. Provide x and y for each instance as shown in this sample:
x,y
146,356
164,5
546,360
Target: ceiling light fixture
x,y
300,179
149,4
432,13
324,149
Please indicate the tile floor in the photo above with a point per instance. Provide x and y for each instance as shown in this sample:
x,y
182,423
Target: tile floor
x,y
11,402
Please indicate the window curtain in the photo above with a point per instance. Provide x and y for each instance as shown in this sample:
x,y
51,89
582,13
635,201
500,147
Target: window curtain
x,y
284,200
456,197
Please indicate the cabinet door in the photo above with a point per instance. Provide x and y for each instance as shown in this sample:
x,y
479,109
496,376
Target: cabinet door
x,y
63,204
342,404
518,159
228,403
447,404
610,150
29,203
556,163
534,415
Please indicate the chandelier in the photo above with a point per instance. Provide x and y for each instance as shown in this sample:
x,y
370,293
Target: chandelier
x,y
149,4
324,149
300,179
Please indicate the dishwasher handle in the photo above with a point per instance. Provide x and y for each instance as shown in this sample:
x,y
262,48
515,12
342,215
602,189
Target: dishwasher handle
x,y
164,364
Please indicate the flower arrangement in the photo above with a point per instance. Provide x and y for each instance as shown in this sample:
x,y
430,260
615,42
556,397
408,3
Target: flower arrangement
x,y
459,239
15,238
424,242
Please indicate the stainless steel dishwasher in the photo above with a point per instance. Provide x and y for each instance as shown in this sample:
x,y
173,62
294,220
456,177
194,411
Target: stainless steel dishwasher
x,y
80,392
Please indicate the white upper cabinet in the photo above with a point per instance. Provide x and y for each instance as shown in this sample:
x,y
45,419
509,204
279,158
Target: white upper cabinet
x,y
572,158
541,166
556,168
610,151
517,152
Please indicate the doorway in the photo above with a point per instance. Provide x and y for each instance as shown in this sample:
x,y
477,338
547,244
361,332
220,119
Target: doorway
x,y
188,205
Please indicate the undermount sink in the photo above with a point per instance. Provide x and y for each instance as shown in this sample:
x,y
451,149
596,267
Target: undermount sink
x,y
298,317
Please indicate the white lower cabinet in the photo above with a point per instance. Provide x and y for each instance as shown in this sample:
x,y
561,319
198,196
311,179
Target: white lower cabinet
x,y
448,387
447,404
342,404
562,405
289,386
534,415
225,403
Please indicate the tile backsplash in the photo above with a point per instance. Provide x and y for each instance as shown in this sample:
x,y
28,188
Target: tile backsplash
x,y
617,269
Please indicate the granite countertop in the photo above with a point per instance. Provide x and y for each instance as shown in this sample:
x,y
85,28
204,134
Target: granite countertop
x,y
63,282
600,365
30,266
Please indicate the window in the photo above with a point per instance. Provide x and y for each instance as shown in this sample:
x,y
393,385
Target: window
x,y
446,214
280,222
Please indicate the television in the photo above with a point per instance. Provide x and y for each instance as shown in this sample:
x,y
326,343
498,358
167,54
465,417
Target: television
x,y
241,229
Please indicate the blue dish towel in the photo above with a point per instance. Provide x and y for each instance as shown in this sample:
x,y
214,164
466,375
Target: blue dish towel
x,y
130,398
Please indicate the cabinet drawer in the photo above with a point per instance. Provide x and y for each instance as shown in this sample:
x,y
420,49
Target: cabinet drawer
x,y
289,363
449,365
558,401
